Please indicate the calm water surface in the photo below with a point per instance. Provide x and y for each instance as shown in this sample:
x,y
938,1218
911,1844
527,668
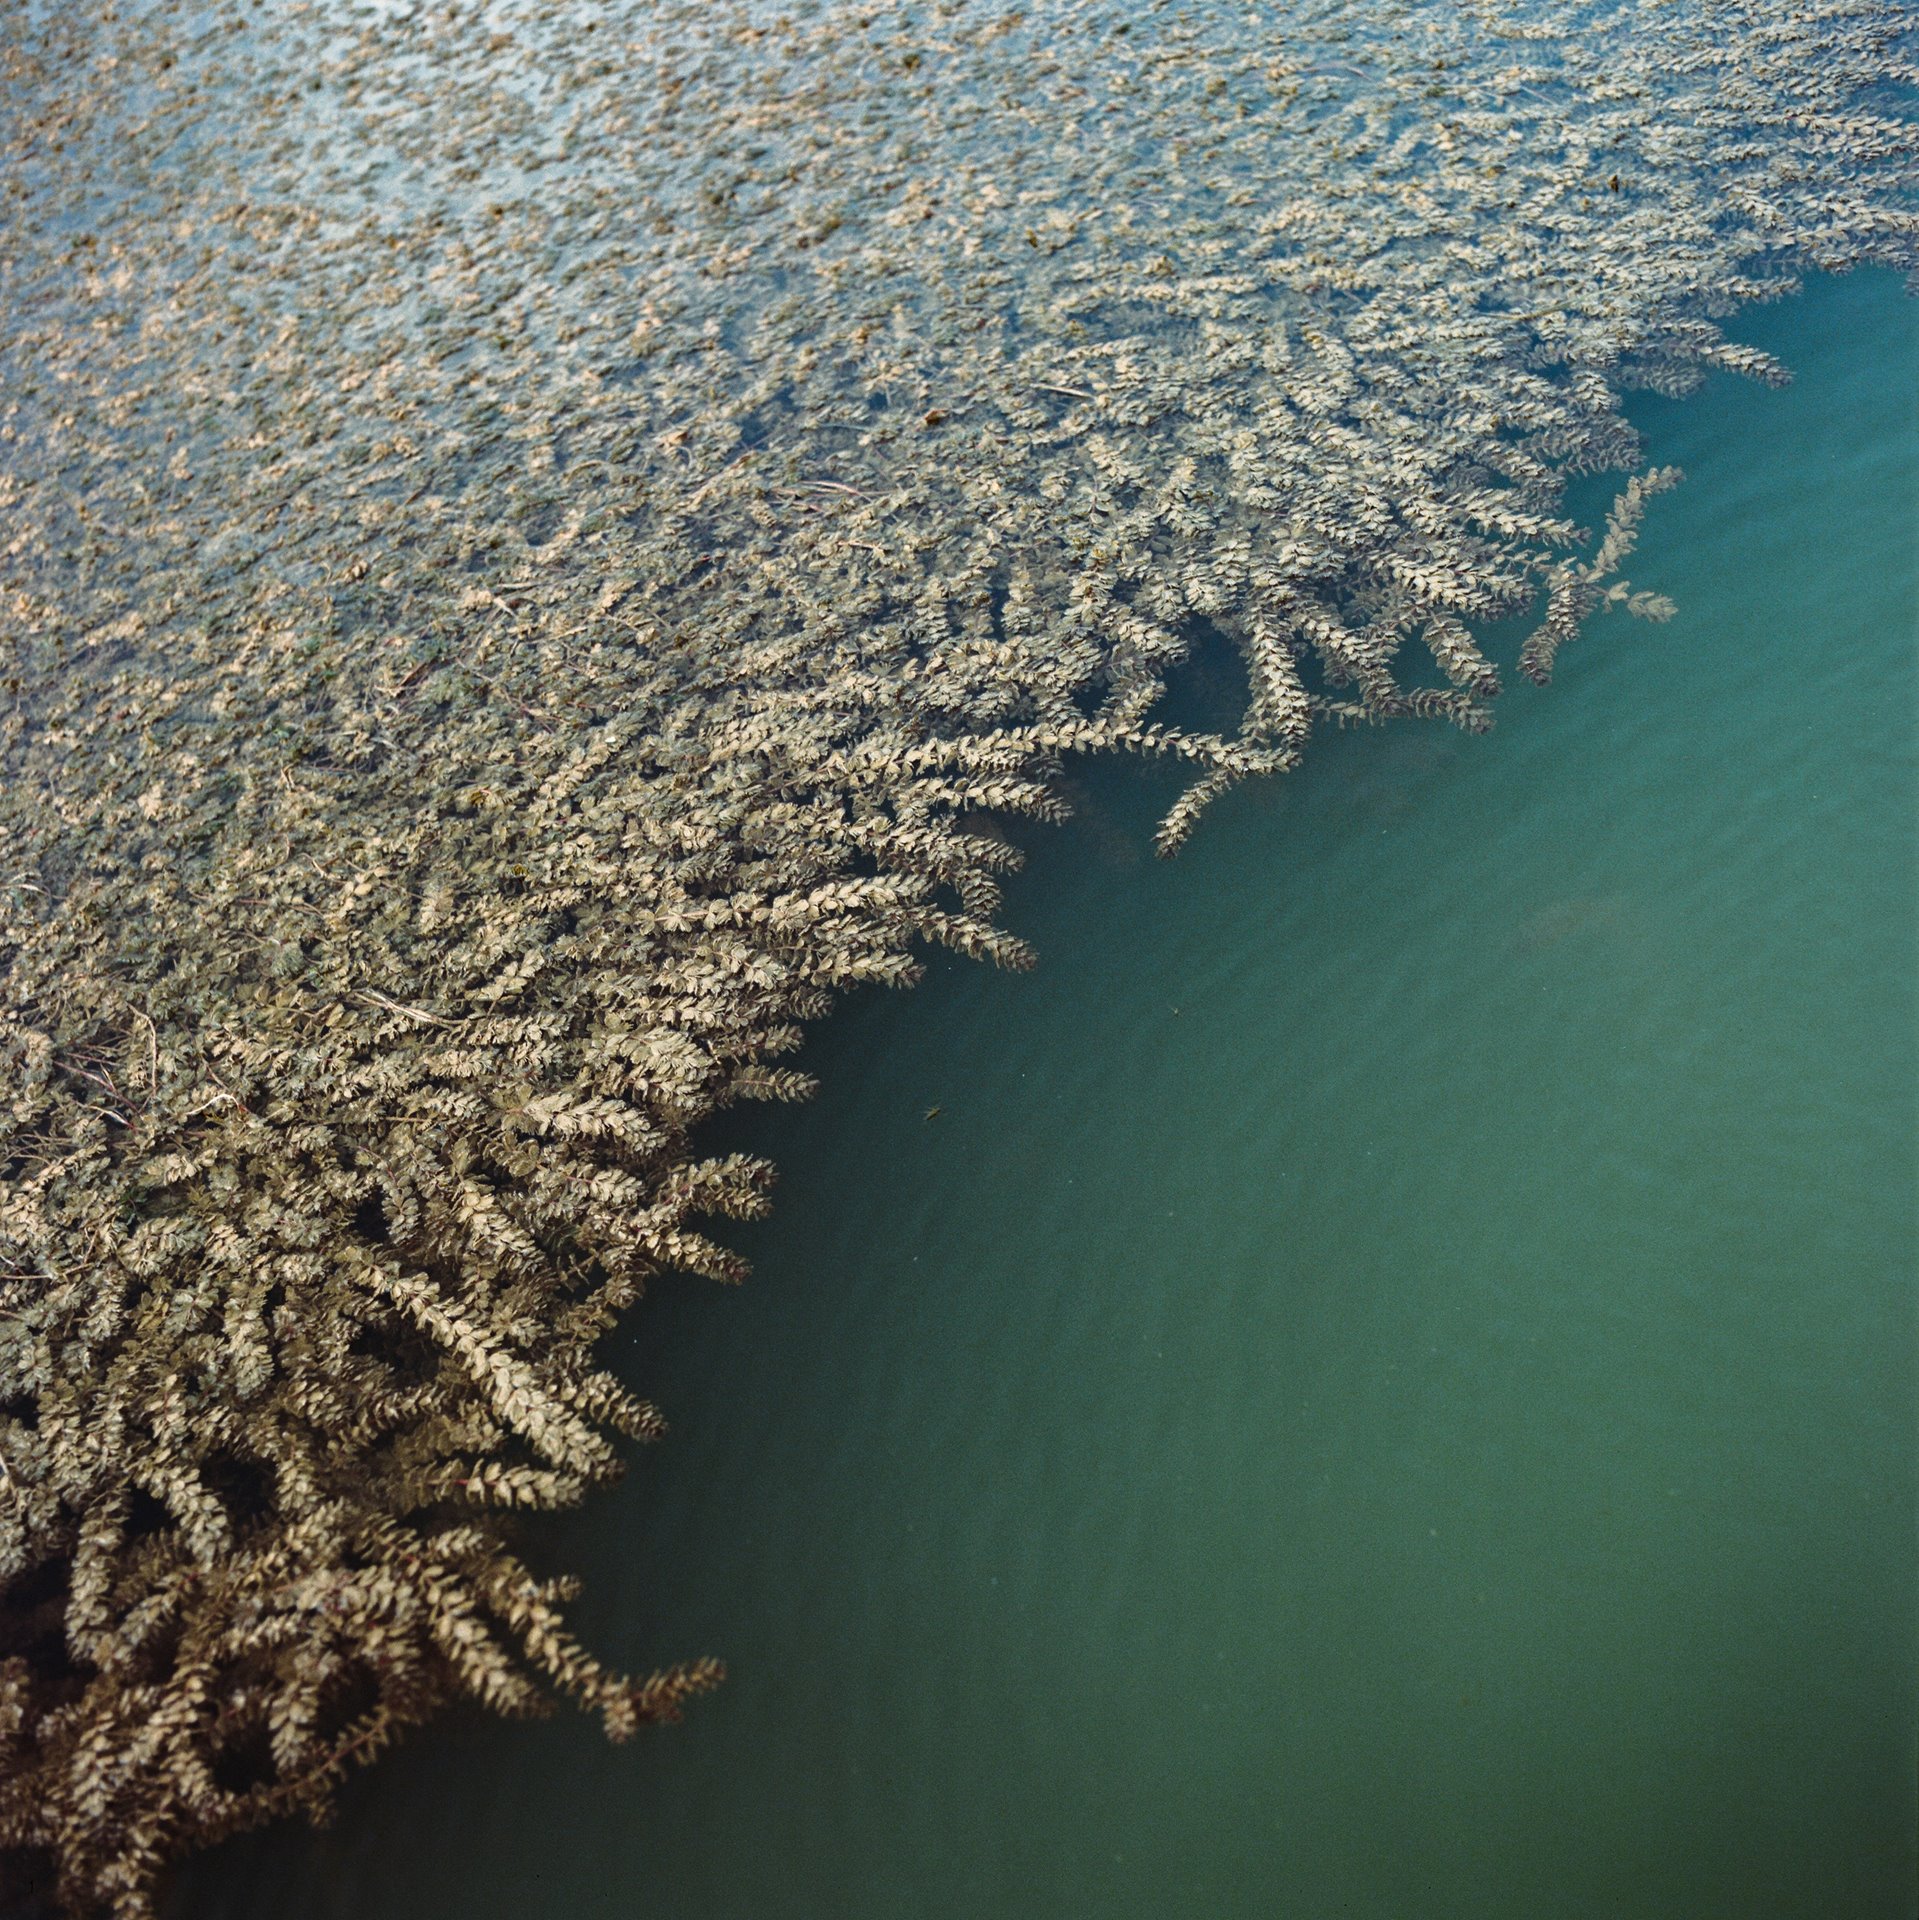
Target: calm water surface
x,y
1388,1387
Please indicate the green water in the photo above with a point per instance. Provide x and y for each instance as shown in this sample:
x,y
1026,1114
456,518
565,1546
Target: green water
x,y
1388,1387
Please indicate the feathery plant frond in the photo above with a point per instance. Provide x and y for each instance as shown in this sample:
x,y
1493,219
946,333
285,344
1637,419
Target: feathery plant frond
x,y
497,640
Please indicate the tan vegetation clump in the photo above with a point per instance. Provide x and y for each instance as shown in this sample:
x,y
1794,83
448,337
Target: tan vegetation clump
x,y
535,539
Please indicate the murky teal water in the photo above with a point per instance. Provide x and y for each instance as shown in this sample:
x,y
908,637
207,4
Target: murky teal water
x,y
1387,1389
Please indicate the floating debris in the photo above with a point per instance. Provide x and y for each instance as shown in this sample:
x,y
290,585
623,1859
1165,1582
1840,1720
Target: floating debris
x,y
540,540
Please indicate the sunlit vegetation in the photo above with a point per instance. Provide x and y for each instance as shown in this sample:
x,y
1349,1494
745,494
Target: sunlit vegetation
x,y
540,541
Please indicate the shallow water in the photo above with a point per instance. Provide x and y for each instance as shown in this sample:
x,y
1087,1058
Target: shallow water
x,y
1386,1388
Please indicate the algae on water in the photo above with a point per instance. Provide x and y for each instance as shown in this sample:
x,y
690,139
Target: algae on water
x,y
538,542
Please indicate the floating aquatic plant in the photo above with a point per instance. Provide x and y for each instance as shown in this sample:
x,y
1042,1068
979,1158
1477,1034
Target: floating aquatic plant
x,y
539,541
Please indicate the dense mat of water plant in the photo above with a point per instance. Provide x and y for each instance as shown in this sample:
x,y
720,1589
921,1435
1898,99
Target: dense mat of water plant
x,y
539,542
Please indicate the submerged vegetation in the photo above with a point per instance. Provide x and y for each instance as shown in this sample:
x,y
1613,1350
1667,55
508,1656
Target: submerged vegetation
x,y
541,539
